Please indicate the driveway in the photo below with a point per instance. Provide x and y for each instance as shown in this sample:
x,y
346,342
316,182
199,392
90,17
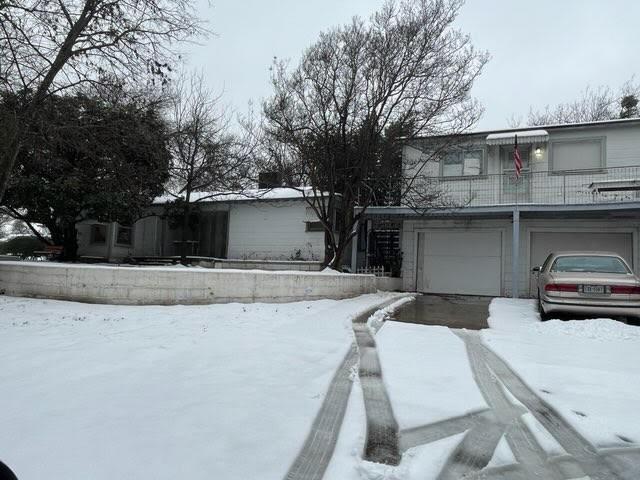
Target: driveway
x,y
454,311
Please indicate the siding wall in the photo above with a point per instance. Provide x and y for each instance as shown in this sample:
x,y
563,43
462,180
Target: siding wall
x,y
622,149
411,227
265,230
272,231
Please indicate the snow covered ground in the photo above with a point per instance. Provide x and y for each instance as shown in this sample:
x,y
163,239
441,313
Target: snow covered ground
x,y
588,370
230,391
220,391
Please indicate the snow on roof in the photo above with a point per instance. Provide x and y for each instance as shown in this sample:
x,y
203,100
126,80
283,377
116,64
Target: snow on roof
x,y
280,193
525,133
526,136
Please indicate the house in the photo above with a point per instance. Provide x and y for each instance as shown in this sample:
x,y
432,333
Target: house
x,y
262,224
579,189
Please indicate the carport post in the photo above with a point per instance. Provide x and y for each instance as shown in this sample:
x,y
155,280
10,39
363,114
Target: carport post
x,y
354,248
515,254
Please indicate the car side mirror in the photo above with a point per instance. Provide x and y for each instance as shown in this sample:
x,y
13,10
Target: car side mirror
x,y
536,269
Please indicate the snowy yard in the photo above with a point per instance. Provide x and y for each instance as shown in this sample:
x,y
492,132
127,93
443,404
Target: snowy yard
x,y
221,391
231,391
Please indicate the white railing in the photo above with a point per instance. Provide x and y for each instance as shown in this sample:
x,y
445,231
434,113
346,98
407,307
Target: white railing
x,y
606,185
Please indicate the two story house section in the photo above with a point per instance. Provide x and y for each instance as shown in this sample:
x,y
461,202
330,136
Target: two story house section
x,y
481,228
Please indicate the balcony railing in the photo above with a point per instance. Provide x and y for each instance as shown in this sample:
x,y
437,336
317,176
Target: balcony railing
x,y
606,185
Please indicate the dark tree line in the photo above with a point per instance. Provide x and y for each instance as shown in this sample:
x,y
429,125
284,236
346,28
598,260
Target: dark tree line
x,y
48,47
87,157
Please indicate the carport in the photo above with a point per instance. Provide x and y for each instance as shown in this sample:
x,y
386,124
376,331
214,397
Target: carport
x,y
483,250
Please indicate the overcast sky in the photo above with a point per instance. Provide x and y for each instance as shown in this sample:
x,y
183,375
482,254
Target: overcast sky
x,y
542,52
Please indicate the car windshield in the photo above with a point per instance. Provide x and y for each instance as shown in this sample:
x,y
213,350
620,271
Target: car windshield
x,y
589,263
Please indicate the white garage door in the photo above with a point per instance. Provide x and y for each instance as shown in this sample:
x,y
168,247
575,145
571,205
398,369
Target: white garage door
x,y
544,243
467,262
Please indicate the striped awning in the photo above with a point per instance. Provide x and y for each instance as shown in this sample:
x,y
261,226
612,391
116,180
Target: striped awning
x,y
525,136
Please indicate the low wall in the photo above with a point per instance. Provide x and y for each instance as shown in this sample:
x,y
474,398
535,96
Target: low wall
x,y
389,284
268,265
173,285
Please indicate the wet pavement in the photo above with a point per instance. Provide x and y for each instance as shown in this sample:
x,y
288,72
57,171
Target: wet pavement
x,y
454,311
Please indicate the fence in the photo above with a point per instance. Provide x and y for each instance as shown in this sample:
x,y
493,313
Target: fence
x,y
605,185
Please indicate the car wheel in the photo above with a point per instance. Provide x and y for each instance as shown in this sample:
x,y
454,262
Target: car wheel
x,y
543,316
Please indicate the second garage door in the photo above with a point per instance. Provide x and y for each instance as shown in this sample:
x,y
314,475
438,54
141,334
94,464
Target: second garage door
x,y
544,243
467,262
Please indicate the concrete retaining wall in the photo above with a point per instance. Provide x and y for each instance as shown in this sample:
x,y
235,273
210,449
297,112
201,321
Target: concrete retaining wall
x,y
173,285
268,265
389,284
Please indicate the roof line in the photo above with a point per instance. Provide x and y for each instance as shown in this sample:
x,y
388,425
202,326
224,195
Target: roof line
x,y
557,126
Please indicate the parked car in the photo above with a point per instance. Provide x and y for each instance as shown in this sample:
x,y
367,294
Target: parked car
x,y
587,283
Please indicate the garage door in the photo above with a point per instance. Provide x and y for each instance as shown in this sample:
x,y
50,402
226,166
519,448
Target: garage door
x,y
544,243
467,262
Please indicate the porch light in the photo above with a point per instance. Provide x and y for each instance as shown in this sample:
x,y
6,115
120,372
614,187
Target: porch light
x,y
538,152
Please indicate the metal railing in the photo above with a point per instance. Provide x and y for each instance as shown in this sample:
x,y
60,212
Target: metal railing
x,y
577,187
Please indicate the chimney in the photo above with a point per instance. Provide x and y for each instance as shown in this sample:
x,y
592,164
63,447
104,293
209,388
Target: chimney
x,y
269,180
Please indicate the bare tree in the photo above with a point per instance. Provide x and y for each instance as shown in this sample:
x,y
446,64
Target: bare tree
x,y
207,158
594,104
338,115
47,46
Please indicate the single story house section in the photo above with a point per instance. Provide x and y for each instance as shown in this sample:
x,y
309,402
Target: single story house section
x,y
579,189
266,224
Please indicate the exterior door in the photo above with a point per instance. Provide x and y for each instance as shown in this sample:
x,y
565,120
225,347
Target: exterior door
x,y
213,230
515,190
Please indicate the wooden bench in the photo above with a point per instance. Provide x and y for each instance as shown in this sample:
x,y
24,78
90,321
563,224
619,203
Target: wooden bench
x,y
50,251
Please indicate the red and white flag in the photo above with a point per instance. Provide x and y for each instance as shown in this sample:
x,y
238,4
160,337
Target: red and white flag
x,y
517,161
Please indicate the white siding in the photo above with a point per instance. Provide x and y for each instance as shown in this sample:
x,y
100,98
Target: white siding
x,y
272,230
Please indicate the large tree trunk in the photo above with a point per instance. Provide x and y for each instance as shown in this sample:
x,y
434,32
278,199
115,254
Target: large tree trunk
x,y
328,249
185,228
7,161
336,261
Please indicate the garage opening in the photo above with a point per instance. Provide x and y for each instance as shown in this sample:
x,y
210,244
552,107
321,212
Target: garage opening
x,y
465,262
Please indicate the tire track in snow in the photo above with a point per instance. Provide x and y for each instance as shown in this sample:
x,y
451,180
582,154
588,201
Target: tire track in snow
x,y
314,457
479,444
585,455
382,429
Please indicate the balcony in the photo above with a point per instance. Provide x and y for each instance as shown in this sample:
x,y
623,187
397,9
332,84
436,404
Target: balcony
x,y
579,187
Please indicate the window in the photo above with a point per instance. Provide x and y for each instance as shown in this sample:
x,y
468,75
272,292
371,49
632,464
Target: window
x,y
124,235
313,227
98,233
463,163
591,264
508,164
577,154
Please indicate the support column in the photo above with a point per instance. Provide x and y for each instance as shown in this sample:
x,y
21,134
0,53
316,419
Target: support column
x,y
515,255
354,248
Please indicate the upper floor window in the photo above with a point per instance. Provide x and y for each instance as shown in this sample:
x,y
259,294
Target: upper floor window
x,y
508,162
463,163
577,154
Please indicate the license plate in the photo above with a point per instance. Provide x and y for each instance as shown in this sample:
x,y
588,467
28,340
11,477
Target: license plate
x,y
593,289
